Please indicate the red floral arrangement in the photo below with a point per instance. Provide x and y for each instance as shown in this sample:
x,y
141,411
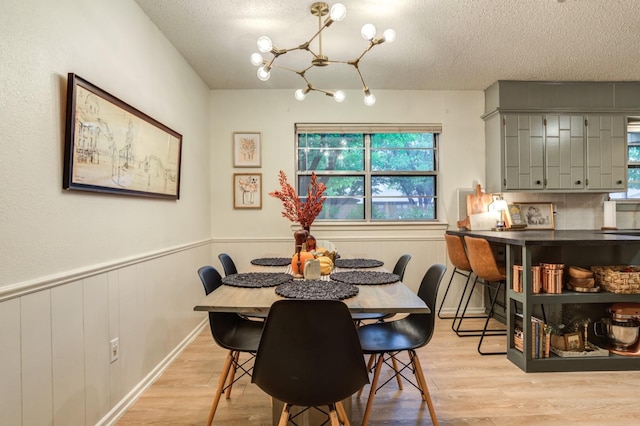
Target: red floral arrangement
x,y
296,211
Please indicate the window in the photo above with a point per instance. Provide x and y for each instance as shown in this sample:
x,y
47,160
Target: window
x,y
378,173
633,163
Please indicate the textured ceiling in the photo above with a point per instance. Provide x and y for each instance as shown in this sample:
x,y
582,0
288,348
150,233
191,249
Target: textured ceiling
x,y
441,44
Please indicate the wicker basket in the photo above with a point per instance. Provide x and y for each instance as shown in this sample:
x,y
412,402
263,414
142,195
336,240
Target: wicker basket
x,y
618,279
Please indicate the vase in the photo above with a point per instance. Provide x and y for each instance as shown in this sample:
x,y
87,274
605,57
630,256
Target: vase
x,y
300,237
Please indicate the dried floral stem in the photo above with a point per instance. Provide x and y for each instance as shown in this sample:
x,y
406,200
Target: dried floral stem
x,y
296,211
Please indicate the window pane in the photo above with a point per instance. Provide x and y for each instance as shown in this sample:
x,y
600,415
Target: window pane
x,y
402,152
403,197
345,196
634,153
330,152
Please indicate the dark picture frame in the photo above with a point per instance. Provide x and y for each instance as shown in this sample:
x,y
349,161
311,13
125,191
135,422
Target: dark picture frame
x,y
112,147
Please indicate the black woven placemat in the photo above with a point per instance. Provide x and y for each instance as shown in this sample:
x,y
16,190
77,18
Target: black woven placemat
x,y
316,289
257,279
272,261
365,277
358,263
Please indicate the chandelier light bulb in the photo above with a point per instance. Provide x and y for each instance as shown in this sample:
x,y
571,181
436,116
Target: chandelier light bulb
x,y
369,99
263,74
264,44
368,31
300,95
256,59
389,35
339,96
338,12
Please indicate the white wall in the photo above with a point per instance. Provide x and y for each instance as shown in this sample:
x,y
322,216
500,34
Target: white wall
x,y
274,113
78,269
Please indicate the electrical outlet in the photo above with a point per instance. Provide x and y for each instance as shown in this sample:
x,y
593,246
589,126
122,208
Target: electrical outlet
x,y
115,349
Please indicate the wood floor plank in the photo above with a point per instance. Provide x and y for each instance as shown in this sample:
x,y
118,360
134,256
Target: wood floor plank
x,y
466,388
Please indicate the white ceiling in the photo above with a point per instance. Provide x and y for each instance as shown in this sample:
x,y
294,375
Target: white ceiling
x,y
441,44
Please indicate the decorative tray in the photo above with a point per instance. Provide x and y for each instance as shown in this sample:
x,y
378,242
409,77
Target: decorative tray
x,y
358,263
365,277
272,261
257,279
316,289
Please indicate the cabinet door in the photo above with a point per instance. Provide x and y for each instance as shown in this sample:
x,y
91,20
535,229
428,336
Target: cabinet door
x,y
524,151
564,152
606,152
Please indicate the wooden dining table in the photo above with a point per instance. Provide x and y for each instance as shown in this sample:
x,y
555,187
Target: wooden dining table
x,y
391,298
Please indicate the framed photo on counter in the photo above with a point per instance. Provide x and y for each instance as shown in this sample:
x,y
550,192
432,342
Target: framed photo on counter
x,y
537,215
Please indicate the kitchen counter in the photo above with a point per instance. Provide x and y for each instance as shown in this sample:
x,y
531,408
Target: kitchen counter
x,y
584,248
556,237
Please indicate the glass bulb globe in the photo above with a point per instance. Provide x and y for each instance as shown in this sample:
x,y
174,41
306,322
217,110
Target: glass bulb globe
x,y
300,95
339,96
369,99
368,31
263,74
338,12
264,44
256,59
389,35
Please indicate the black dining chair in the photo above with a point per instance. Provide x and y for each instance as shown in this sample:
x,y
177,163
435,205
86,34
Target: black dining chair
x,y
385,340
398,269
228,265
233,332
310,356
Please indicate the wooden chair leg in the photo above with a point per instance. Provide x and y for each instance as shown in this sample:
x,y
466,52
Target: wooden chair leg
x,y
284,417
221,381
342,414
396,370
372,391
333,415
372,357
423,386
232,375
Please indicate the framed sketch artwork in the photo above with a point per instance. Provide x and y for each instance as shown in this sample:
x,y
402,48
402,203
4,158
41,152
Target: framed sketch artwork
x,y
537,215
111,147
247,190
247,149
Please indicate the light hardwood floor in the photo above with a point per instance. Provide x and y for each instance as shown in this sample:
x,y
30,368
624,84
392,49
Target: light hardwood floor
x,y
466,388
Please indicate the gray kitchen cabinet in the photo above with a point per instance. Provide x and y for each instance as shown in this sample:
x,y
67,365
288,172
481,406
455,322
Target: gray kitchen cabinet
x,y
557,136
606,152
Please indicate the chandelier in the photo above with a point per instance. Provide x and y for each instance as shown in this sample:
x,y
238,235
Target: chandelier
x,y
337,13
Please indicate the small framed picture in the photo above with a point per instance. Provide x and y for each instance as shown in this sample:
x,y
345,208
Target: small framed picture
x,y
537,215
514,217
573,342
247,149
247,190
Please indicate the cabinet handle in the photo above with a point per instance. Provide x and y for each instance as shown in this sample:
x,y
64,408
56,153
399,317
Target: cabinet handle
x,y
619,182
578,182
538,182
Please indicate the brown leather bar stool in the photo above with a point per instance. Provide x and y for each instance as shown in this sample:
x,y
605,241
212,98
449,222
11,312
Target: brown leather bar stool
x,y
490,274
458,258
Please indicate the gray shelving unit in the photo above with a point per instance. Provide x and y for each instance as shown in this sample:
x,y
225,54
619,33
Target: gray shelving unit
x,y
583,248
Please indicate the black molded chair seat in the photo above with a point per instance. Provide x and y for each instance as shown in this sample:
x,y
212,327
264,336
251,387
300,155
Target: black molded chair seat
x,y
386,340
310,356
234,333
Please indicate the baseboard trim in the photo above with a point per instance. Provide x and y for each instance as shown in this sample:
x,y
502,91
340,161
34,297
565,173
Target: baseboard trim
x,y
125,403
